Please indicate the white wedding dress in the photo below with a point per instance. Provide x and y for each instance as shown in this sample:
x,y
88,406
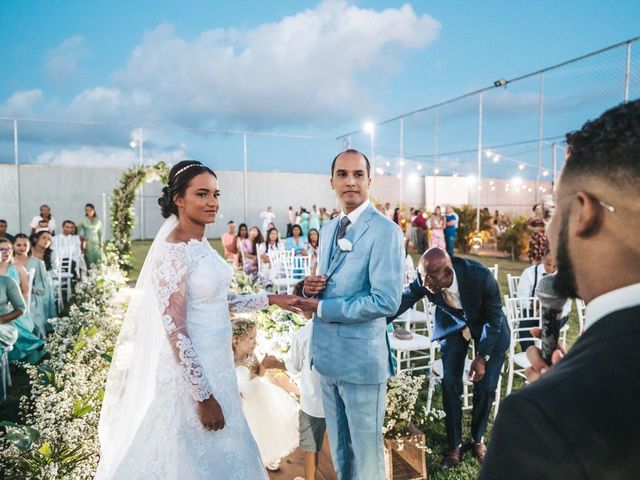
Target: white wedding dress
x,y
194,361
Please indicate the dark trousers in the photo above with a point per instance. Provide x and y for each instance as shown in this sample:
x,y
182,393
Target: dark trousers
x,y
454,351
450,241
289,227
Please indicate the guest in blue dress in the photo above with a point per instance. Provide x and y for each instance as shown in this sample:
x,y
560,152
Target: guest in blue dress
x,y
314,220
28,347
304,221
297,241
43,302
11,307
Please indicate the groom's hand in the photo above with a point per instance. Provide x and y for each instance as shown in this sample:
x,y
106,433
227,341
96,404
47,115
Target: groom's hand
x,y
314,284
308,305
286,302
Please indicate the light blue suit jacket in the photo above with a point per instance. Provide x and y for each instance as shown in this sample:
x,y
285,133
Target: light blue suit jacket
x,y
364,286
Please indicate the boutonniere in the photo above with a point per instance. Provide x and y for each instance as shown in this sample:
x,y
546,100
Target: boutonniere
x,y
345,245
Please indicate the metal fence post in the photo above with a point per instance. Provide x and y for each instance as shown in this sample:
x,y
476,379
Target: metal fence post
x,y
479,160
17,162
540,118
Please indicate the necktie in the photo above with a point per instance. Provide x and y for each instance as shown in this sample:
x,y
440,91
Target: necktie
x,y
344,222
448,298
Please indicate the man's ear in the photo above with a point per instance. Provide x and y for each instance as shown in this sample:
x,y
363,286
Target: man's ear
x,y
331,183
587,215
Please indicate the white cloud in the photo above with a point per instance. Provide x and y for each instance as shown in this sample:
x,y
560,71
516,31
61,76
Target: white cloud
x,y
305,68
21,103
62,62
105,156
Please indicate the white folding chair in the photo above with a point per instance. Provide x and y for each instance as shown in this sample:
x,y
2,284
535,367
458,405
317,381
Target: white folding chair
x,y
31,275
278,273
63,276
494,271
5,374
520,310
512,283
414,354
409,270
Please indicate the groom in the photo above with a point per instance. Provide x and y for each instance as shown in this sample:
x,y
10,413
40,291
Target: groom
x,y
358,284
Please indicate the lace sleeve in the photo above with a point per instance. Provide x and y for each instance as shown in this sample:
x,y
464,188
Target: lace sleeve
x,y
170,287
247,303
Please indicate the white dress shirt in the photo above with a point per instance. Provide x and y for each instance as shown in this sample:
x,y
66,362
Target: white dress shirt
x,y
353,217
66,246
527,280
454,290
37,219
599,307
298,363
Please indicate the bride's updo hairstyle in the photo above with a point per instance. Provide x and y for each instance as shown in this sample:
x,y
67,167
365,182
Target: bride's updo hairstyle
x,y
179,178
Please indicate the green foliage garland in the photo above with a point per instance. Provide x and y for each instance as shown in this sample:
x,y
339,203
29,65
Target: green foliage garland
x,y
123,212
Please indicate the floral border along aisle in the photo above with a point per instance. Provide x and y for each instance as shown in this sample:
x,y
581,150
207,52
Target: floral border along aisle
x,y
60,436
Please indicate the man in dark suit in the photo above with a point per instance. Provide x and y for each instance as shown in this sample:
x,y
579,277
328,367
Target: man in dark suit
x,y
580,419
468,305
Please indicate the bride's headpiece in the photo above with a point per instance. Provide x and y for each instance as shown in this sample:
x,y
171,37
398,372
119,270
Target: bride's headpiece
x,y
198,164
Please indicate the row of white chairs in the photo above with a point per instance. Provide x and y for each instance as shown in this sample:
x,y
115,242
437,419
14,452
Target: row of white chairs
x,y
514,280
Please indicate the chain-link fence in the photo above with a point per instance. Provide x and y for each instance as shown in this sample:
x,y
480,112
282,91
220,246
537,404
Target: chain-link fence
x,y
511,130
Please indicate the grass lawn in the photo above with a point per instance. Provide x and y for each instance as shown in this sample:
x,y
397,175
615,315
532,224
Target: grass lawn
x,y
435,433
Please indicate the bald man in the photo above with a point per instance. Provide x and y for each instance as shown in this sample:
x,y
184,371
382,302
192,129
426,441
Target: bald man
x,y
468,306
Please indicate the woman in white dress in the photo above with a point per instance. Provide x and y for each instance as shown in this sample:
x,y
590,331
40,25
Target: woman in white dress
x,y
172,407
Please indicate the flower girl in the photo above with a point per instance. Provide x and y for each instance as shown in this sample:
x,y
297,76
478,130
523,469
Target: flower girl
x,y
271,413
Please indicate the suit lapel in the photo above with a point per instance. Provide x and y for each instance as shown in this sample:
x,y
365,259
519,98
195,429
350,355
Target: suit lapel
x,y
353,235
463,286
327,238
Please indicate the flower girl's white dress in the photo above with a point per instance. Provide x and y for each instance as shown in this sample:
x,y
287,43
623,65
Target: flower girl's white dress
x,y
271,412
196,360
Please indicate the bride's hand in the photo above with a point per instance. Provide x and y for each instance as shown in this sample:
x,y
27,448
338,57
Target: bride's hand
x,y
286,302
210,413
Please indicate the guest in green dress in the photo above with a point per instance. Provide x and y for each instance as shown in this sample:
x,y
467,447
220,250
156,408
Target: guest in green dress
x,y
11,307
43,303
304,222
27,347
90,231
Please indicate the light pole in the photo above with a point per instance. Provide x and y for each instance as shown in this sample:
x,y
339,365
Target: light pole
x,y
139,143
370,128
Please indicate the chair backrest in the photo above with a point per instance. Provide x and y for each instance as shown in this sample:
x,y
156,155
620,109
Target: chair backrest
x,y
277,259
512,283
409,269
494,271
297,267
31,275
519,309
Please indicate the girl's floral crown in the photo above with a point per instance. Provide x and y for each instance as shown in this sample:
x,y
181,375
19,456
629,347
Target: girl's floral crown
x,y
242,326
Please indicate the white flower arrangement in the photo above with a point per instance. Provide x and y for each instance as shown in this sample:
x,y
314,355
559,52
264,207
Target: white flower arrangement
x,y
276,328
345,245
59,438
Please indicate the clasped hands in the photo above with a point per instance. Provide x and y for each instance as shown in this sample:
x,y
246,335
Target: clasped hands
x,y
313,285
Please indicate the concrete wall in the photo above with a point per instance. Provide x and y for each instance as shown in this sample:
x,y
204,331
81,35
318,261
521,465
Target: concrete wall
x,y
67,189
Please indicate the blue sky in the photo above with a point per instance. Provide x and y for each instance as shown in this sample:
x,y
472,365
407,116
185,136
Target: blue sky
x,y
311,68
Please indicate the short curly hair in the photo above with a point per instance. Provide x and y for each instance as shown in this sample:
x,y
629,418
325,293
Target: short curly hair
x,y
607,147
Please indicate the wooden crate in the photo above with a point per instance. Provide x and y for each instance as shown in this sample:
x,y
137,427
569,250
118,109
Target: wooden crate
x,y
406,459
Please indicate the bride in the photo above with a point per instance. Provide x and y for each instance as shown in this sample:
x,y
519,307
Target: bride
x,y
172,407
